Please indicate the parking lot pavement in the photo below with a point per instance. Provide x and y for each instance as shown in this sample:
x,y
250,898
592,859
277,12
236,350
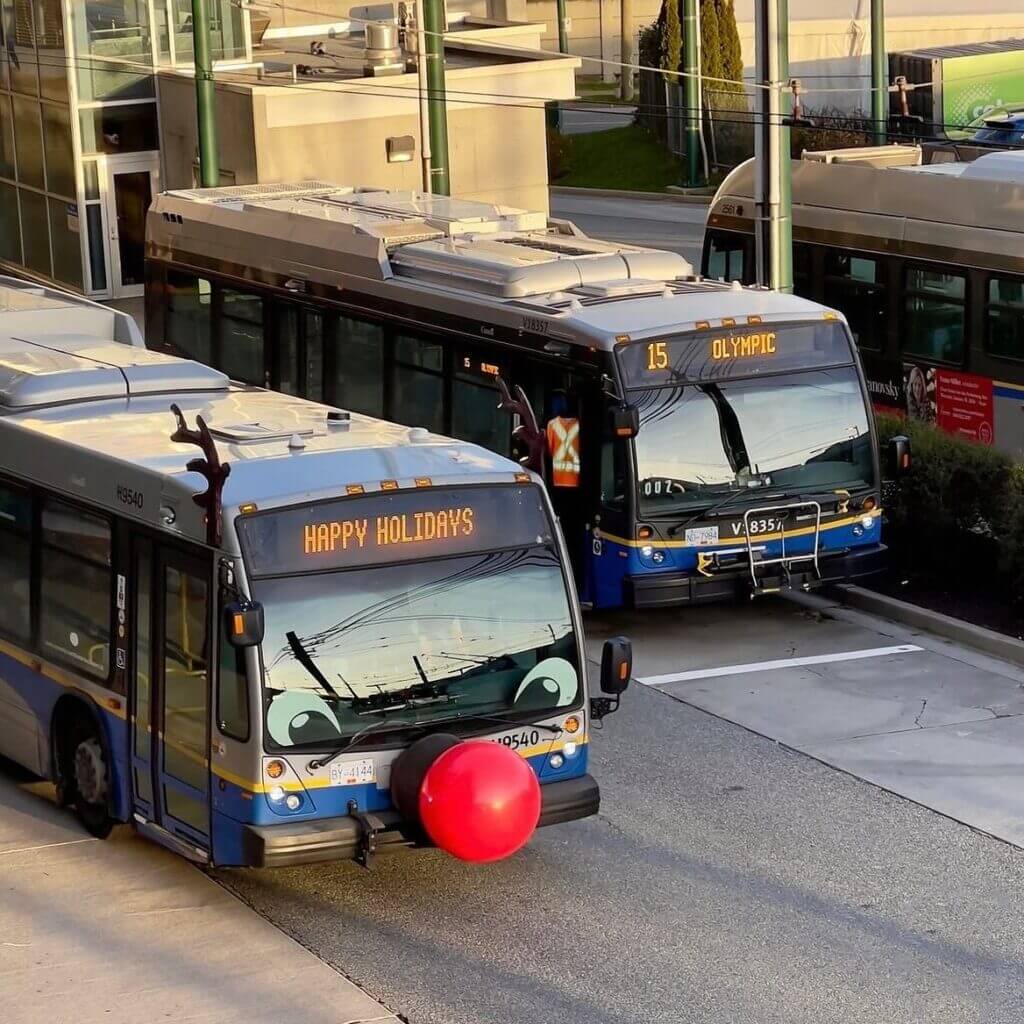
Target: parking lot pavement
x,y
925,718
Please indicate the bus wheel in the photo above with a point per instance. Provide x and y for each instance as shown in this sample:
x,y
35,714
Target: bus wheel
x,y
90,777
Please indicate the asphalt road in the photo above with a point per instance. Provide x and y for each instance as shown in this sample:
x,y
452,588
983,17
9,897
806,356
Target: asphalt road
x,y
655,223
728,879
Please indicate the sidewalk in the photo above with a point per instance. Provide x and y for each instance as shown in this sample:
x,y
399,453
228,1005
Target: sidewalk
x,y
124,932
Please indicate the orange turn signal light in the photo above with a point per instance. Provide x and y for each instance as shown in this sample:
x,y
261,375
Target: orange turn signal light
x,y
571,724
275,769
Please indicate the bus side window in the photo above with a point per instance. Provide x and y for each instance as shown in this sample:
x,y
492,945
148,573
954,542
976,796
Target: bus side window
x,y
240,337
417,392
855,285
1004,317
357,383
232,689
76,588
189,309
614,474
935,314
15,561
725,256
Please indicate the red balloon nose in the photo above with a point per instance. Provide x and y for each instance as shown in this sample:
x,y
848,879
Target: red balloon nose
x,y
479,801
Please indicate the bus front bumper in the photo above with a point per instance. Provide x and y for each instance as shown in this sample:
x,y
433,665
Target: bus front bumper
x,y
667,589
352,838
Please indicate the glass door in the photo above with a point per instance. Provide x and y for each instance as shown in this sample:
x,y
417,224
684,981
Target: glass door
x,y
171,691
131,183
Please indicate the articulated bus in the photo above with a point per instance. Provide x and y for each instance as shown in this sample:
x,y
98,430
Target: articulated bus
x,y
699,440
926,261
265,631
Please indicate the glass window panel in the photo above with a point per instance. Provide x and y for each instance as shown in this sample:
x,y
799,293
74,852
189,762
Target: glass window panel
x,y
28,139
110,37
232,691
935,315
417,398
128,129
419,352
10,231
241,337
476,417
7,164
35,231
90,174
75,588
313,339
359,367
614,474
143,713
15,561
60,160
53,71
227,38
1005,316
286,349
850,287
189,304
24,70
67,254
97,246
949,286
186,663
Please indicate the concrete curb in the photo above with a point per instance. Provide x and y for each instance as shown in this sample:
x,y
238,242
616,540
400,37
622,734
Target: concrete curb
x,y
612,193
988,641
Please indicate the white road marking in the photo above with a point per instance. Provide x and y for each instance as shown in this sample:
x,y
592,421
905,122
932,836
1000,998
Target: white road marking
x,y
47,846
768,666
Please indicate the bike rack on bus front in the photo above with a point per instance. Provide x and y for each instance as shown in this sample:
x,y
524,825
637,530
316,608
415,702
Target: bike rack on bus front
x,y
786,561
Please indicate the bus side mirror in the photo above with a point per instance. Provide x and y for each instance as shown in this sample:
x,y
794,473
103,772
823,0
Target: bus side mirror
x,y
244,623
616,665
616,668
899,455
625,421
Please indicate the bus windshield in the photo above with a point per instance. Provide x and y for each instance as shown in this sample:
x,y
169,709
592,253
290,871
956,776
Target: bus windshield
x,y
394,635
793,433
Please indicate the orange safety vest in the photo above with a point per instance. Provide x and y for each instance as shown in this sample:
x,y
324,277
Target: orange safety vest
x,y
563,435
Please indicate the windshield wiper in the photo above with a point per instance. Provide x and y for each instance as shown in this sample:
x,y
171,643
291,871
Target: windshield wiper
x,y
472,716
722,503
303,658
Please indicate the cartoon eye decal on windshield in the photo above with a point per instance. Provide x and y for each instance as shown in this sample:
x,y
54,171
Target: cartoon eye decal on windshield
x,y
294,712
550,677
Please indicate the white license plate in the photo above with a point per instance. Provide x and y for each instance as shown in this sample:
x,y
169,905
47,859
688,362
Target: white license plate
x,y
353,773
702,535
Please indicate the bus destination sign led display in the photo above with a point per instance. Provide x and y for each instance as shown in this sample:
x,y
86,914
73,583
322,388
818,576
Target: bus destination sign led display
x,y
384,530
393,526
708,355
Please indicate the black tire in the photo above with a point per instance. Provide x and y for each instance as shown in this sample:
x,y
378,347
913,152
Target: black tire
x,y
86,778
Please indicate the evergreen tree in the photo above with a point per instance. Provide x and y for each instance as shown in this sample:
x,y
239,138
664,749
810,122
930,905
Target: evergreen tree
x,y
732,52
710,52
672,38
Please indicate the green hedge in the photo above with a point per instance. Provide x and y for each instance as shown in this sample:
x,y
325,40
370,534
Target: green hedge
x,y
961,502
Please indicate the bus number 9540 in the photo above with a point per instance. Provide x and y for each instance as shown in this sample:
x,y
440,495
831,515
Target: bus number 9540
x,y
521,740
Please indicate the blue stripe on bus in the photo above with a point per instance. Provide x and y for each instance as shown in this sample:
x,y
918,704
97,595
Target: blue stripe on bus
x,y
1001,390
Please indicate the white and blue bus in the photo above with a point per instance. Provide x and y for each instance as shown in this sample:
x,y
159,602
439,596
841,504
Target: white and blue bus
x,y
265,631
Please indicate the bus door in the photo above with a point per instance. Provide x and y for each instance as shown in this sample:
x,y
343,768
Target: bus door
x,y
171,705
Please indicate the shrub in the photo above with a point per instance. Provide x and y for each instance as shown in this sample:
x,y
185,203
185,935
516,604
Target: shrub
x,y
961,501
559,155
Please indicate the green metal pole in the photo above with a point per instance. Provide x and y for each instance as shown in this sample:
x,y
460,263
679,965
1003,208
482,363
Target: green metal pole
x,y
437,107
553,110
691,91
206,110
563,35
785,230
879,72
774,192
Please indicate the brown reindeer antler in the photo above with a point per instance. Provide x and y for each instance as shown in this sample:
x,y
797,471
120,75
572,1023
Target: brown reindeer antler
x,y
528,432
210,467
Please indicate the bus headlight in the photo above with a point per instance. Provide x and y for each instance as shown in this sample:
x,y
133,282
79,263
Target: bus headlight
x,y
647,551
658,557
276,794
569,749
556,761
293,802
867,522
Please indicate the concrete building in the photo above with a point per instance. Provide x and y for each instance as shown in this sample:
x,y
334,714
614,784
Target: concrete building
x,y
97,114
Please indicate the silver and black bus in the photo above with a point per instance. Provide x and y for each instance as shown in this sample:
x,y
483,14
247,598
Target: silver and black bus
x,y
699,440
